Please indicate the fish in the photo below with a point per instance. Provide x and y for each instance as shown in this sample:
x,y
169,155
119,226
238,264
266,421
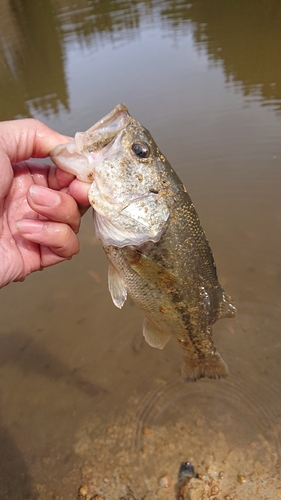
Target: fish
x,y
157,249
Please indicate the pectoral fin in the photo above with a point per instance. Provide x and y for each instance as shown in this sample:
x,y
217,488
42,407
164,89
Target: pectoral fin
x,y
116,287
153,336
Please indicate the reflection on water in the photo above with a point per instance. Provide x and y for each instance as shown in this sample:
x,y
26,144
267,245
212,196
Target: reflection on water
x,y
97,22
84,401
244,38
31,60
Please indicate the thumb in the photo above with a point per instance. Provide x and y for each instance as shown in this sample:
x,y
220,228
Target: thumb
x,y
28,138
6,177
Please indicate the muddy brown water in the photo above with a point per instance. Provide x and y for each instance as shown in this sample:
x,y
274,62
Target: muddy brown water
x,y
85,405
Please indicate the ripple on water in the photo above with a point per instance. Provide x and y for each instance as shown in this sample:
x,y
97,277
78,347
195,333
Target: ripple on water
x,y
229,430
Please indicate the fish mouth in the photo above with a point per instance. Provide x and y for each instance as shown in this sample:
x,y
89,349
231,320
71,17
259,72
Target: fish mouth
x,y
117,119
104,131
78,156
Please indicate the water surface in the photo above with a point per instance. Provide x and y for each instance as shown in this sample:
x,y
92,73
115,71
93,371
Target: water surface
x,y
83,399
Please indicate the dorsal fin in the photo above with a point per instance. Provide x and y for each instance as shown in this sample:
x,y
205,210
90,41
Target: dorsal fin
x,y
226,308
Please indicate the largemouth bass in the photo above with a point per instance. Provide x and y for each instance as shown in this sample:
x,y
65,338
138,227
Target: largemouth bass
x,y
151,233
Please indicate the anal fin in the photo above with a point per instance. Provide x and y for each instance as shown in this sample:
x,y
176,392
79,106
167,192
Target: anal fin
x,y
153,336
116,287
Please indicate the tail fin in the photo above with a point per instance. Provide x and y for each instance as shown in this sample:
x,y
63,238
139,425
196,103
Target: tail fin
x,y
209,366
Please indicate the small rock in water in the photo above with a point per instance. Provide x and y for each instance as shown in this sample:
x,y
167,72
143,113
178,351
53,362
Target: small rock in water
x,y
164,481
196,490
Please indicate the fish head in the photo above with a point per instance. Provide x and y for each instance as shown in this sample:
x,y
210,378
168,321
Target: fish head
x,y
124,167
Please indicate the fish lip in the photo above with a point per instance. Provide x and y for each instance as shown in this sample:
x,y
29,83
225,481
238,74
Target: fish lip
x,y
104,131
120,111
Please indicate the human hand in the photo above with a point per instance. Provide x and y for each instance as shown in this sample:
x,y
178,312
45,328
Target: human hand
x,y
40,205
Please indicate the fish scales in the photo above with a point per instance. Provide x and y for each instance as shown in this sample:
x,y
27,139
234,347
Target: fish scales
x,y
153,238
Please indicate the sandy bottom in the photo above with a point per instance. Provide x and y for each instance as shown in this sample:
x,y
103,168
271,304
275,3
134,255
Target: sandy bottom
x,y
132,461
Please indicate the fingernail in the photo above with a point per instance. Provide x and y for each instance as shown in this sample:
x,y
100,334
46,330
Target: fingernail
x,y
44,196
30,226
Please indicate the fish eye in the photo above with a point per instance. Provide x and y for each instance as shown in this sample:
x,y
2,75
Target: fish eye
x,y
141,149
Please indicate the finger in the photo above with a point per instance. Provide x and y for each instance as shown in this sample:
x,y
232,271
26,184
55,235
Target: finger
x,y
39,172
79,191
6,176
59,238
60,180
34,171
23,139
55,205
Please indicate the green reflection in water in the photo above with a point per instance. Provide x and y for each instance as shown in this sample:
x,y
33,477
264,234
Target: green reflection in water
x,y
31,59
246,38
243,37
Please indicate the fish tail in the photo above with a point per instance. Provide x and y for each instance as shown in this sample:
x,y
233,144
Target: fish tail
x,y
209,366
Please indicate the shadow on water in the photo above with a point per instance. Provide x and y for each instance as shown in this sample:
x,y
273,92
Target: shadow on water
x,y
15,482
23,351
243,37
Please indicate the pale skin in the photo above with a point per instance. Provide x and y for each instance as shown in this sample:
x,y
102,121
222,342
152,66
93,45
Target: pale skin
x,y
40,205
